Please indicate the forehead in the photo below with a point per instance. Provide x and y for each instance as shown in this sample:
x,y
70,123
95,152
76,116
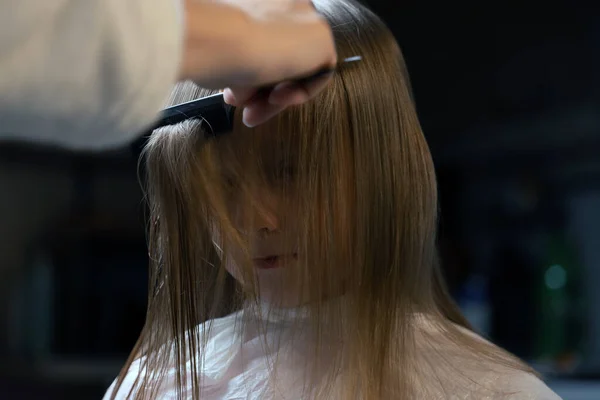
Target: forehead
x,y
273,140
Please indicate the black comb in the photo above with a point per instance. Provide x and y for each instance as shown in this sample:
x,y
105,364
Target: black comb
x,y
217,114
213,110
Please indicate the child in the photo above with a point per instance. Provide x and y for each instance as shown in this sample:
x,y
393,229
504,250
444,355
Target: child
x,y
326,220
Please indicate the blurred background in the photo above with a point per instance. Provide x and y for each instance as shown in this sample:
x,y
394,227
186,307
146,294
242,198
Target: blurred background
x,y
509,100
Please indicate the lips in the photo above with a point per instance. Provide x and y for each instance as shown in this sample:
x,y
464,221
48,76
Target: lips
x,y
274,261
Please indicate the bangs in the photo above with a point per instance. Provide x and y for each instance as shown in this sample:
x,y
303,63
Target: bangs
x,y
303,159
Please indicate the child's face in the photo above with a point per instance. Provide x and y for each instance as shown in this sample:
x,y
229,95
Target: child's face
x,y
267,221
269,232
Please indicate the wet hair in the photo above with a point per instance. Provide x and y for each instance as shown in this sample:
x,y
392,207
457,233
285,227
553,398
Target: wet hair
x,y
355,174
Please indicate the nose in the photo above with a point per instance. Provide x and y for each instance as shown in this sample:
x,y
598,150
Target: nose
x,y
259,216
266,220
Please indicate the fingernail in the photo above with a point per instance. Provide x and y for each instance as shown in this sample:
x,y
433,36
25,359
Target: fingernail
x,y
245,119
228,96
279,93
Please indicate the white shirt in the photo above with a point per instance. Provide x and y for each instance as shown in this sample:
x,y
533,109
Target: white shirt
x,y
237,366
87,74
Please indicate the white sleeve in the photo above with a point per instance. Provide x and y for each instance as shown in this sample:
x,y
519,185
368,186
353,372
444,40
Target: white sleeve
x,y
86,74
129,385
525,386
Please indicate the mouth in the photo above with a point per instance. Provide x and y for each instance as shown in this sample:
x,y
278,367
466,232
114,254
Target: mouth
x,y
274,261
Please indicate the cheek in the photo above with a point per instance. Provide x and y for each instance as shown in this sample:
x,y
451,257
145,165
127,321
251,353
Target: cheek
x,y
238,214
232,268
230,255
217,240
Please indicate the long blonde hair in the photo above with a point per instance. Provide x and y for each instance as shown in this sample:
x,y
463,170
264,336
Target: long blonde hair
x,y
365,195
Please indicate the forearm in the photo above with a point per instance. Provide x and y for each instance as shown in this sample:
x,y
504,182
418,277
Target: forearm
x,y
216,44
251,43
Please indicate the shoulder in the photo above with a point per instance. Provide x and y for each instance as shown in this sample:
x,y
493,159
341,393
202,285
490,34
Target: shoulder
x,y
450,369
526,386
218,330
128,386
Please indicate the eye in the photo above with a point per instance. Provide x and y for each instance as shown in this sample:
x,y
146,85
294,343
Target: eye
x,y
285,172
229,182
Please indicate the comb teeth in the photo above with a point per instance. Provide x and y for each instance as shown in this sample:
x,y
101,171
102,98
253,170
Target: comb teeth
x,y
352,59
217,116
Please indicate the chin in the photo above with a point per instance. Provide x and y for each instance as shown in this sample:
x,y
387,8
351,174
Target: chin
x,y
277,287
281,298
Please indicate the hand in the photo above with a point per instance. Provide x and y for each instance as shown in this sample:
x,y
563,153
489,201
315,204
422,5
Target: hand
x,y
262,104
258,43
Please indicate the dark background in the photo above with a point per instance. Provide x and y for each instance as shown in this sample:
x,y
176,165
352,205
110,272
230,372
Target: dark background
x,y
508,97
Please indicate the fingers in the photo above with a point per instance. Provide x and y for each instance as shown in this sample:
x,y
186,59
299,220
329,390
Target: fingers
x,y
260,106
295,93
238,97
285,93
260,111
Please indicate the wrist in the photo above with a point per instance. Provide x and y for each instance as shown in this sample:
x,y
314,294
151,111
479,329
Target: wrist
x,y
284,56
216,42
